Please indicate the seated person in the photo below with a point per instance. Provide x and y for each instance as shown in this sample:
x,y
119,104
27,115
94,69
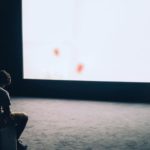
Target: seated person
x,y
19,120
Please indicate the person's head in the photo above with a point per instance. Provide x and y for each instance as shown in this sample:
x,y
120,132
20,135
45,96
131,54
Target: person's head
x,y
5,78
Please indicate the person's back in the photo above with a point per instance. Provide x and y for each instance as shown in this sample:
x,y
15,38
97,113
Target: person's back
x,y
7,117
4,98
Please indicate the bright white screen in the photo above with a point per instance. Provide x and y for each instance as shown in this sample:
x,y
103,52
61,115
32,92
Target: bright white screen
x,y
90,40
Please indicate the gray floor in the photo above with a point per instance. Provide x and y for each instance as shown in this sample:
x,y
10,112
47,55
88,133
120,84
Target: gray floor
x,y
84,125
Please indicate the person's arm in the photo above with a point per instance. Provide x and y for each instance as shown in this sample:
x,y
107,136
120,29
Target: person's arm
x,y
7,111
8,118
6,107
5,102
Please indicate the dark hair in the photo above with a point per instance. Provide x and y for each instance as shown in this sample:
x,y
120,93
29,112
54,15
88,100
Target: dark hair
x,y
4,77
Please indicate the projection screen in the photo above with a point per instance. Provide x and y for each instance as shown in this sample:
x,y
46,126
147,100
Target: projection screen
x,y
86,40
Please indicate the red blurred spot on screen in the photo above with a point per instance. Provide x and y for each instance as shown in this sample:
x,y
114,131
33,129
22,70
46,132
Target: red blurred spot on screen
x,y
56,52
80,68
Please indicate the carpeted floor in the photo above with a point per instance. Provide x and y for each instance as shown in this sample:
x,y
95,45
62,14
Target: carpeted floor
x,y
84,125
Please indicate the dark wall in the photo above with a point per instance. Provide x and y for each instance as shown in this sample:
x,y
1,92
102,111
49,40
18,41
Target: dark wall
x,y
11,60
10,39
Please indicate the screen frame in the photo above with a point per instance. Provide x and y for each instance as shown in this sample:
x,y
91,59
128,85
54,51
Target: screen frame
x,y
93,90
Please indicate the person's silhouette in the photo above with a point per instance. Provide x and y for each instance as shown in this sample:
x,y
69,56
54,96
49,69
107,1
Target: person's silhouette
x,y
18,119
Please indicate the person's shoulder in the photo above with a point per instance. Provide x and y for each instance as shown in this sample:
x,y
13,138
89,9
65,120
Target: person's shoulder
x,y
3,92
4,97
